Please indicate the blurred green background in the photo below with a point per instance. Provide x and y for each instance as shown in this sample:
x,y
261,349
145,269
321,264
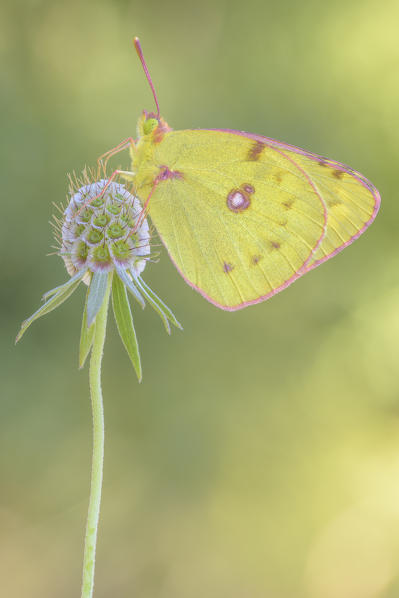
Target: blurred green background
x,y
260,456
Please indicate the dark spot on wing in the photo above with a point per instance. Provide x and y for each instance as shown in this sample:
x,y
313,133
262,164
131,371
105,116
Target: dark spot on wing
x,y
256,259
239,199
338,174
248,188
288,204
275,245
227,267
255,151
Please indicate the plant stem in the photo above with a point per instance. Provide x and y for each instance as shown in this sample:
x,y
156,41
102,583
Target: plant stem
x,y
98,446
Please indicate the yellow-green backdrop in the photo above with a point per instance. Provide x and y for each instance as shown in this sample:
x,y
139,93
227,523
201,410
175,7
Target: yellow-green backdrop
x,y
259,458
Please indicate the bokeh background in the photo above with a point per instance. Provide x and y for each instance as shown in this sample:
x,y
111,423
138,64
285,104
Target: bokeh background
x,y
260,456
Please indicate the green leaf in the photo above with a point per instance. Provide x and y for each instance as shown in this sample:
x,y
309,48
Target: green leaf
x,y
161,304
55,301
124,322
97,290
163,310
155,306
86,335
73,278
131,286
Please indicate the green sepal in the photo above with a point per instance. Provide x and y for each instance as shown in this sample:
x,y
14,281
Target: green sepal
x,y
54,302
163,310
131,286
95,298
66,284
124,322
161,304
86,335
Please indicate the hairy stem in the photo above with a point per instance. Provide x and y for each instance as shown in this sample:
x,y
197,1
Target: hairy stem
x,y
98,446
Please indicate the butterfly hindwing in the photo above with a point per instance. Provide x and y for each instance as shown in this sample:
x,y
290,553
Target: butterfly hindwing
x,y
242,216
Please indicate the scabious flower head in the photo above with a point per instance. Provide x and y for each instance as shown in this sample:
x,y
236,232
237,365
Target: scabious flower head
x,y
103,229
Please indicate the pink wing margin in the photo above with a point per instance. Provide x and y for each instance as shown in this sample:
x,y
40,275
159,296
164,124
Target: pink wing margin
x,y
279,147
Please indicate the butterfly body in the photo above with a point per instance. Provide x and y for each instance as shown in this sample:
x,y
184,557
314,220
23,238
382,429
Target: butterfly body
x,y
243,216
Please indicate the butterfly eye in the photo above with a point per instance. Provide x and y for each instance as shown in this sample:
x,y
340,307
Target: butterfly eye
x,y
149,125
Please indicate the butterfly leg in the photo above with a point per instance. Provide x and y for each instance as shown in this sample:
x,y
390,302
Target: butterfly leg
x,y
102,165
144,211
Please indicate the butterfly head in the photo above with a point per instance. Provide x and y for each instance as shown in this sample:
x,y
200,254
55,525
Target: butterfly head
x,y
152,126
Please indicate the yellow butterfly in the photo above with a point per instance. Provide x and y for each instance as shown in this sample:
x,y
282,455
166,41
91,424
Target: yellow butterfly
x,y
241,215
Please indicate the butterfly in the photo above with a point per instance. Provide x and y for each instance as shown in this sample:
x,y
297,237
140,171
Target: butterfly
x,y
242,216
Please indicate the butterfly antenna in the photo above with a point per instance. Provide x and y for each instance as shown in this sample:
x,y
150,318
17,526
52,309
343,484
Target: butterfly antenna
x,y
139,51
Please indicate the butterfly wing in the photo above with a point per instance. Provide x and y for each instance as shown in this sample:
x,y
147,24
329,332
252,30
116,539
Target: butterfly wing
x,y
242,217
352,200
